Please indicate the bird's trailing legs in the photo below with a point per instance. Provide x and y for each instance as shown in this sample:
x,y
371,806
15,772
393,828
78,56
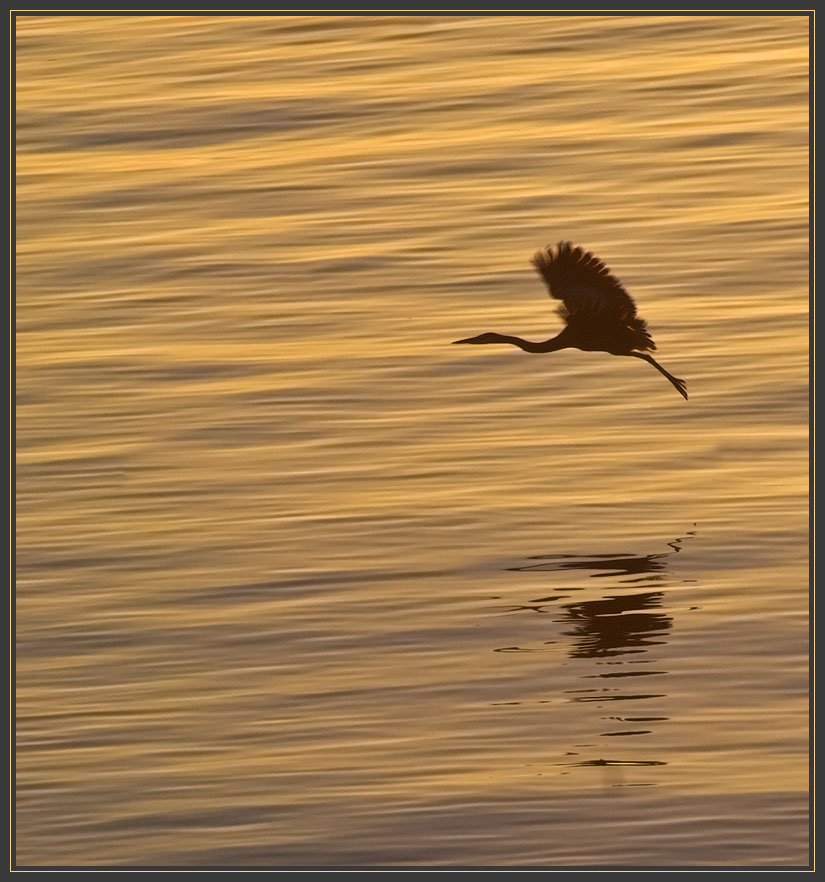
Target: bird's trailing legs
x,y
679,384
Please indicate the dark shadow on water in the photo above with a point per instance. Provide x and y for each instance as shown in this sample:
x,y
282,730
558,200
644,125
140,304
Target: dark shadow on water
x,y
616,625
617,632
615,564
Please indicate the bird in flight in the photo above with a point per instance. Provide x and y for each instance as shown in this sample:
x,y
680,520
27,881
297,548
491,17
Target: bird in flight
x,y
599,315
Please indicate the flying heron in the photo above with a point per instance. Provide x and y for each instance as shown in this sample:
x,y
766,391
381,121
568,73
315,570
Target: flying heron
x,y
600,315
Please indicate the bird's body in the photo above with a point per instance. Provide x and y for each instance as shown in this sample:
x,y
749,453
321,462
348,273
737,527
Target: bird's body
x,y
600,315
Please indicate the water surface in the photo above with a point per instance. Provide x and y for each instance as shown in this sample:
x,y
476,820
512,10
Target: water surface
x,y
302,584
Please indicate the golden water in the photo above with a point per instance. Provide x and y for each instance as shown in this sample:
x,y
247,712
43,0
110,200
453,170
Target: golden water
x,y
299,582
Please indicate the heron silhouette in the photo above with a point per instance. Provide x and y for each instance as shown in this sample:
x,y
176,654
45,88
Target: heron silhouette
x,y
600,315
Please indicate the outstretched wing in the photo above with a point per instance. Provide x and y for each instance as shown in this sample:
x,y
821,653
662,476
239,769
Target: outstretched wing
x,y
589,293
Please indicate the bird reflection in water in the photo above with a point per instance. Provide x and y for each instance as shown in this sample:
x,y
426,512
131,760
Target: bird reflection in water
x,y
617,625
613,626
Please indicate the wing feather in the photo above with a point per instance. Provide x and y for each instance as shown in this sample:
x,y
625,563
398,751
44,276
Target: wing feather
x,y
589,293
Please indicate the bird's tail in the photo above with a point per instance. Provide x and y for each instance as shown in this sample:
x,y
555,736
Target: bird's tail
x,y
641,336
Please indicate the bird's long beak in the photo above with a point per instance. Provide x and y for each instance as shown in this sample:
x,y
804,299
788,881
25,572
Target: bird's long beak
x,y
468,340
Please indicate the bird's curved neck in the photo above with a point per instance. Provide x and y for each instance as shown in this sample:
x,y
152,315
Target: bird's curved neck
x,y
552,345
